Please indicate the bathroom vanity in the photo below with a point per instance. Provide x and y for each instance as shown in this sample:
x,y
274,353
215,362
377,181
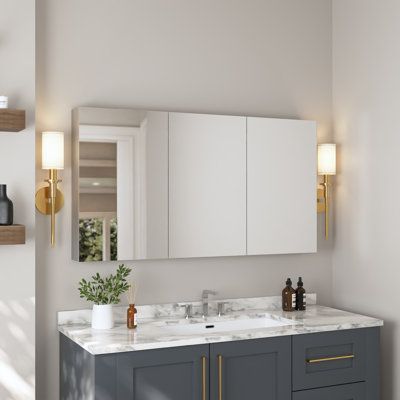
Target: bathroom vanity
x,y
254,351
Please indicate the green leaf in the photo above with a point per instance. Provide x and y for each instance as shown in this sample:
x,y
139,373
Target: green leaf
x,y
105,290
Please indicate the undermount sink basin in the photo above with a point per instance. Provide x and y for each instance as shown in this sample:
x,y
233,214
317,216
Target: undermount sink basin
x,y
226,326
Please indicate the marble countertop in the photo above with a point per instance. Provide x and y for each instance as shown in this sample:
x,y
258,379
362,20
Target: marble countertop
x,y
151,332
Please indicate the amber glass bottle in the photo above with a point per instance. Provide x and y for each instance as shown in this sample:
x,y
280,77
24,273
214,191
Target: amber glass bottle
x,y
300,296
131,317
288,297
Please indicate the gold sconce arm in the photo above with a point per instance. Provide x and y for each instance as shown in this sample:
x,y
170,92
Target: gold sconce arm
x,y
326,196
326,167
323,202
49,201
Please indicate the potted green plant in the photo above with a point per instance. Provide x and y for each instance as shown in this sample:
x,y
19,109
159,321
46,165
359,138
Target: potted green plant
x,y
104,292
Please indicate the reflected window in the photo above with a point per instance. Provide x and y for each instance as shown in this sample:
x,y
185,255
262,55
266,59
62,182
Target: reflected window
x,y
114,240
98,238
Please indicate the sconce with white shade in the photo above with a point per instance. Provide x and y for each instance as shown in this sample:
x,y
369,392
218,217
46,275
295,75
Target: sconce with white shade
x,y
326,168
49,199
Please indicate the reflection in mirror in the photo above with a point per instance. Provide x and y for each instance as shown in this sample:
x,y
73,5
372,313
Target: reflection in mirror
x,y
98,201
120,184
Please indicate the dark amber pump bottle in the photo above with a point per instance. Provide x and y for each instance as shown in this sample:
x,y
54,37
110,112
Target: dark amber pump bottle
x,y
288,297
131,317
300,296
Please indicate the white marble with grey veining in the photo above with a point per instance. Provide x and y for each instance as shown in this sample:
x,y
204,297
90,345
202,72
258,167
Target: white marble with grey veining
x,y
177,310
151,332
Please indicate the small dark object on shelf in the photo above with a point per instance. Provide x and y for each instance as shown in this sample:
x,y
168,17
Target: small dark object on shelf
x,y
6,207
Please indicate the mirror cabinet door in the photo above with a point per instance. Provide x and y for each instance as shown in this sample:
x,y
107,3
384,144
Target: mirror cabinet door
x,y
207,185
281,186
120,175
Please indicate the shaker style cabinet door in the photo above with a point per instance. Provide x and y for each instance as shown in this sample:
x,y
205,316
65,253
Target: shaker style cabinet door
x,y
281,186
258,369
207,185
179,373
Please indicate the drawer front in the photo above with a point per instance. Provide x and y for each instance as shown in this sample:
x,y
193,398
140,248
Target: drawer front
x,y
327,359
355,391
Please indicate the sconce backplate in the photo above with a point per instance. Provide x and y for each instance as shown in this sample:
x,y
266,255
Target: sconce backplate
x,y
320,200
42,200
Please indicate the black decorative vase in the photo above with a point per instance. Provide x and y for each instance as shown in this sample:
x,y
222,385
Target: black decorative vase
x,y
6,207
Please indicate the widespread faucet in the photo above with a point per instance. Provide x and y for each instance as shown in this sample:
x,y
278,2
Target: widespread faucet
x,y
204,299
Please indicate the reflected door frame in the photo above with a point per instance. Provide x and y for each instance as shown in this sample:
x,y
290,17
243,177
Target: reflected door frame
x,y
131,183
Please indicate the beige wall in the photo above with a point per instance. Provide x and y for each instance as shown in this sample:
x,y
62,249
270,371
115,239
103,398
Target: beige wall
x,y
366,87
17,152
258,57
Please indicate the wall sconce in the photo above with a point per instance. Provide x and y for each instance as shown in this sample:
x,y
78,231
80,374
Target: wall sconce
x,y
49,199
326,167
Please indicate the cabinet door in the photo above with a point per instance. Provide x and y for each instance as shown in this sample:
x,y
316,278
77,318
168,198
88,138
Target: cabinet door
x,y
207,185
251,369
179,373
281,186
356,391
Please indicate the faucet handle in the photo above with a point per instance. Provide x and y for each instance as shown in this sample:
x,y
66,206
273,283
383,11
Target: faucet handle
x,y
188,310
221,308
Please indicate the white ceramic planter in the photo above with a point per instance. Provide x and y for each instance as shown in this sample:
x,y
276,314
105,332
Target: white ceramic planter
x,y
102,316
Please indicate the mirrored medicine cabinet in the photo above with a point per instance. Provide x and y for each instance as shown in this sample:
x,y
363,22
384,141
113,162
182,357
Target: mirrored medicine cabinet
x,y
159,185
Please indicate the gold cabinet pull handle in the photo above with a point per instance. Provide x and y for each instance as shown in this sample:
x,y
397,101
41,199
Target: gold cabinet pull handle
x,y
203,378
319,360
219,377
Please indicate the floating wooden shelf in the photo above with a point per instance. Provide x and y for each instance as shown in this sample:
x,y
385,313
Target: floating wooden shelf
x,y
12,120
12,234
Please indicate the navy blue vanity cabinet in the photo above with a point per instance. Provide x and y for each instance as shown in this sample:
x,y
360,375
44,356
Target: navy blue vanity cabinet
x,y
336,365
257,369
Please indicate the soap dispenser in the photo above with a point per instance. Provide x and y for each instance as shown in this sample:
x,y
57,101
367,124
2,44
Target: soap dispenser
x,y
300,296
288,297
